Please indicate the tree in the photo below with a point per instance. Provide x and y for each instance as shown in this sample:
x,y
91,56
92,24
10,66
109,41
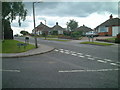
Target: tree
x,y
11,10
76,34
24,32
72,25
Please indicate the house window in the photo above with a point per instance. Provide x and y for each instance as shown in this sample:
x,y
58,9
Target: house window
x,y
103,29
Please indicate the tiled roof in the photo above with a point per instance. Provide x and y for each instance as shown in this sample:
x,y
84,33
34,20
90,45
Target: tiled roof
x,y
84,29
110,22
42,27
57,27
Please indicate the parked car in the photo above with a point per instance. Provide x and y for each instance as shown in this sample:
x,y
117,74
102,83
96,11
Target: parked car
x,y
95,34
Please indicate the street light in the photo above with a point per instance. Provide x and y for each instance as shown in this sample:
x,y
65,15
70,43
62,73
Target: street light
x,y
36,46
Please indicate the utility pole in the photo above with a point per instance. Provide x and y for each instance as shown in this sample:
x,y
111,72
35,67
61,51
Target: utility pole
x,y
36,46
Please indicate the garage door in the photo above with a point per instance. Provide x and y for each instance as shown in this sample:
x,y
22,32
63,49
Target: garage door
x,y
115,30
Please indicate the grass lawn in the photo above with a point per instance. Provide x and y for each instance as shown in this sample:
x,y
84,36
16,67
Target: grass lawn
x,y
57,40
111,39
96,43
10,46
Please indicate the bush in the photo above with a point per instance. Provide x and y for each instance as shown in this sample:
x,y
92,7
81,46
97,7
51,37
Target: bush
x,y
76,34
117,40
67,33
118,35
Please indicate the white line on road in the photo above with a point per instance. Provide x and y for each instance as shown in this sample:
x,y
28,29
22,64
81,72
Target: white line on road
x,y
108,60
81,56
88,55
101,61
56,50
91,58
79,53
74,54
66,52
9,70
62,51
99,70
113,63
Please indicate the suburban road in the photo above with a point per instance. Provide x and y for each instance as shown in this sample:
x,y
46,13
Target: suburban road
x,y
70,65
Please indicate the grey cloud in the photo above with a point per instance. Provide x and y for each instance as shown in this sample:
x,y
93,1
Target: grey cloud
x,y
79,9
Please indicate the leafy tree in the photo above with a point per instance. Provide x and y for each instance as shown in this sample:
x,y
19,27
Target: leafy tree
x,y
72,25
76,34
24,32
10,11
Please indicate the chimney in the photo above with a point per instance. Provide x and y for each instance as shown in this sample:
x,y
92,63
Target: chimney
x,y
56,23
111,16
41,23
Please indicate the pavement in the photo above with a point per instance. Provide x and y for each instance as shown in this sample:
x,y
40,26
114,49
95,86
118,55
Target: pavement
x,y
40,50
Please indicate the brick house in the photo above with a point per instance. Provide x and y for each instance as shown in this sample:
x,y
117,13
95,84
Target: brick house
x,y
40,29
84,29
57,29
110,27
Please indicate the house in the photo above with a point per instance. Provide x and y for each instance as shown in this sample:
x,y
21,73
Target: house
x,y
40,29
84,29
110,27
57,29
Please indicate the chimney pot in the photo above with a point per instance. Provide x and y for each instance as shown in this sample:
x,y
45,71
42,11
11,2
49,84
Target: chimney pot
x,y
56,23
40,22
111,16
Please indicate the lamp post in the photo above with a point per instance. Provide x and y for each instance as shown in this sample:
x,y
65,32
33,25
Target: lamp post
x,y
36,46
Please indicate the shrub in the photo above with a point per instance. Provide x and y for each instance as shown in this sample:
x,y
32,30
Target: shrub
x,y
118,35
117,40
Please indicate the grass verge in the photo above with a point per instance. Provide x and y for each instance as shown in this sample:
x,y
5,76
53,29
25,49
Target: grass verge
x,y
10,46
96,43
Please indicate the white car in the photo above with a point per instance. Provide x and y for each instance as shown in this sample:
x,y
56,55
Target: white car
x,y
91,33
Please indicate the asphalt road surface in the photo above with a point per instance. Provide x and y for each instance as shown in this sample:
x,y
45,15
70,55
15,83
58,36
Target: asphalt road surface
x,y
70,65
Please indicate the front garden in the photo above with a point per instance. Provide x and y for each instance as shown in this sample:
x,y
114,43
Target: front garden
x,y
112,40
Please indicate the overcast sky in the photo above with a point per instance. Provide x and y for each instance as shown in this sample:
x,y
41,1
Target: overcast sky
x,y
91,14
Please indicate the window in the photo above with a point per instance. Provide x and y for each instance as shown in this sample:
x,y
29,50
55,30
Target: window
x,y
103,29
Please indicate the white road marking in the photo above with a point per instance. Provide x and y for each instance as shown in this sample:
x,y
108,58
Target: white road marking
x,y
9,70
97,70
113,63
88,55
97,57
79,53
56,50
67,52
91,58
81,56
101,61
108,60
74,54
62,51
